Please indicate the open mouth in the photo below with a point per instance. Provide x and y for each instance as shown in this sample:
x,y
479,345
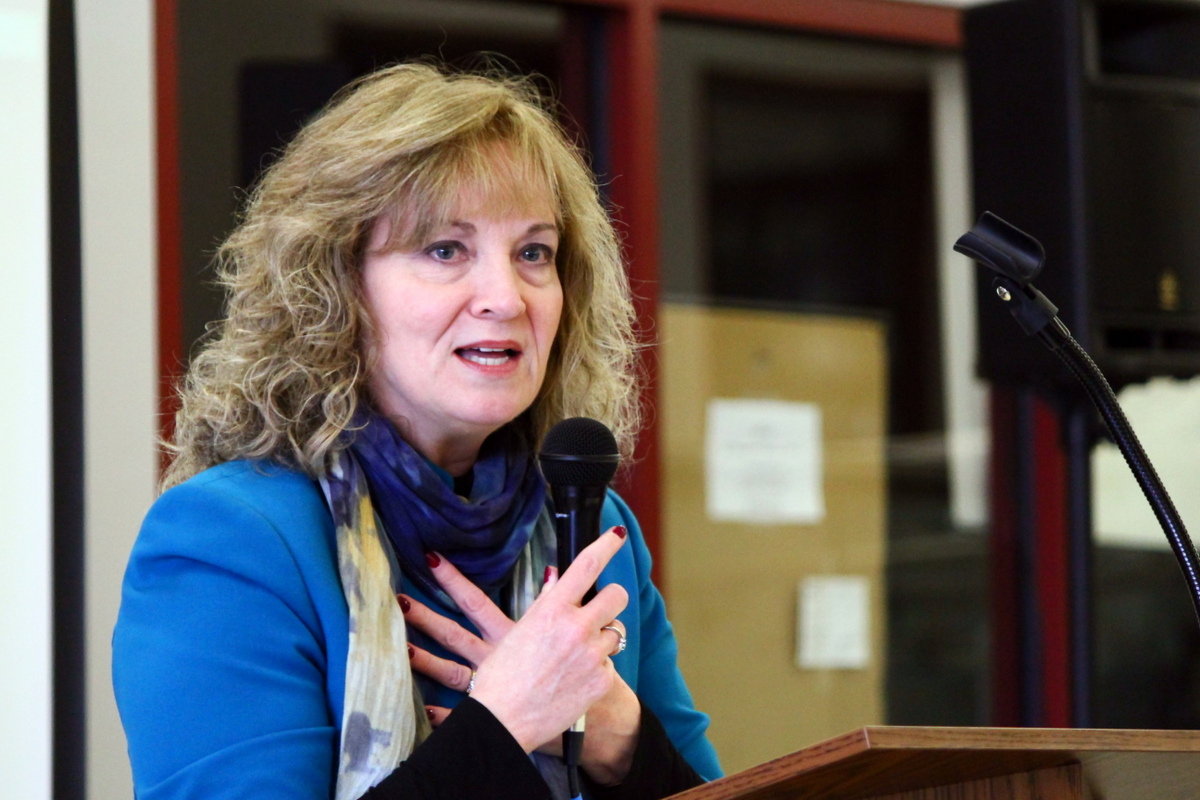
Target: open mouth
x,y
487,356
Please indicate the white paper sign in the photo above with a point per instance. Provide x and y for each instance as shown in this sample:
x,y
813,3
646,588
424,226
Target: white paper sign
x,y
835,622
763,462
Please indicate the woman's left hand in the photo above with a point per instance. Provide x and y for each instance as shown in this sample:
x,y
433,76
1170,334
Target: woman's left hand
x,y
613,721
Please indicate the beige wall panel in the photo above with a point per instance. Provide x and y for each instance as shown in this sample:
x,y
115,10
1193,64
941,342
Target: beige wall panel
x,y
732,586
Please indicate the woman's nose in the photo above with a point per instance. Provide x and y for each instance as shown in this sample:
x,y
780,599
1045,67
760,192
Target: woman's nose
x,y
498,289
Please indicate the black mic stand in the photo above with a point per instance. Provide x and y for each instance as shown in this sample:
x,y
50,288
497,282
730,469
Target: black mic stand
x,y
1017,259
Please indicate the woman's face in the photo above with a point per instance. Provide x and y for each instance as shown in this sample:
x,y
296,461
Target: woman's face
x,y
464,323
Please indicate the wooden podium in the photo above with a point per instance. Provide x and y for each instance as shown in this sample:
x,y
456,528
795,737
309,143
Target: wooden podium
x,y
900,763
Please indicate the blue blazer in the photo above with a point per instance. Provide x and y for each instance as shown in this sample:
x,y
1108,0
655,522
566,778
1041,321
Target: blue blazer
x,y
229,654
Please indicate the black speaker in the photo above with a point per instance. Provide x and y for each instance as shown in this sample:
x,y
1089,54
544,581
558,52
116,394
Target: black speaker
x,y
1085,118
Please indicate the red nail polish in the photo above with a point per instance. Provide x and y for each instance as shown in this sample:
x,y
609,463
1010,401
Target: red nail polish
x,y
411,652
546,575
429,712
620,531
432,560
405,606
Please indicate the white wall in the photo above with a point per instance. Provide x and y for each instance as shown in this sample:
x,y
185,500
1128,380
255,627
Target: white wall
x,y
25,518
114,47
115,58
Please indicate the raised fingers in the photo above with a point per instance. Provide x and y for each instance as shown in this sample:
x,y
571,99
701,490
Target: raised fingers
x,y
588,565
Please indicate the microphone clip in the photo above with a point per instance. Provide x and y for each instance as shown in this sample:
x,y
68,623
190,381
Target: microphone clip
x,y
1017,258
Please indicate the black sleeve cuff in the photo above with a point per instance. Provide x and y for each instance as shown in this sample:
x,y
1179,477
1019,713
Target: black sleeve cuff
x,y
469,755
658,769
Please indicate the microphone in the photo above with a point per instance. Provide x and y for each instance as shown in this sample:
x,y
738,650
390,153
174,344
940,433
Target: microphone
x,y
578,459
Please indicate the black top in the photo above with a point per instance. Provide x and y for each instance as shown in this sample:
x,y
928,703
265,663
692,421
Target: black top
x,y
471,755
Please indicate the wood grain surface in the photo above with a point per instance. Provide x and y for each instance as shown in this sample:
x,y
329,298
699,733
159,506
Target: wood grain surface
x,y
874,763
1059,783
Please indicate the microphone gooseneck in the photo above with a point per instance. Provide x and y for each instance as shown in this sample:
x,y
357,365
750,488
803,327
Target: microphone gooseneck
x,y
1018,258
579,457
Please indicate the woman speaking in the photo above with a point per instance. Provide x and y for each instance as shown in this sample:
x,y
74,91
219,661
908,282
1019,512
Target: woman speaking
x,y
346,589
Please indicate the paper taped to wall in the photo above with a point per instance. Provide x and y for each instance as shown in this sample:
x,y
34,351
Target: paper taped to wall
x,y
835,622
763,462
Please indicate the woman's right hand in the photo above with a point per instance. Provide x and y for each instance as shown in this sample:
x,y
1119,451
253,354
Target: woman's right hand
x,y
537,676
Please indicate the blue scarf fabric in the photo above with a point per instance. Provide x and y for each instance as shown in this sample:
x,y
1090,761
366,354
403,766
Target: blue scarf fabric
x,y
482,535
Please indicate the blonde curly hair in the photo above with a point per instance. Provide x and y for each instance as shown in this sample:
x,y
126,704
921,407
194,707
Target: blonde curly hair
x,y
282,375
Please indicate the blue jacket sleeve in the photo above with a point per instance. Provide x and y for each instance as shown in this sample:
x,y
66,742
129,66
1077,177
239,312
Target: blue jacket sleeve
x,y
219,661
656,677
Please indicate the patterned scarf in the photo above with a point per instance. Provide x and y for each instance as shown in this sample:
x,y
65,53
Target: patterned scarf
x,y
482,535
502,536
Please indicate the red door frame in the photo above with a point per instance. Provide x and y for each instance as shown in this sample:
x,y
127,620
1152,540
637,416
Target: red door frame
x,y
1033,663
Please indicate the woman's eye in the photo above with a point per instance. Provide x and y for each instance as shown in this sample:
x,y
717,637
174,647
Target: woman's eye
x,y
444,251
537,254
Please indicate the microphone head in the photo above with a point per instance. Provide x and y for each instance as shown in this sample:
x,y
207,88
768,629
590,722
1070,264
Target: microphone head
x,y
579,452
